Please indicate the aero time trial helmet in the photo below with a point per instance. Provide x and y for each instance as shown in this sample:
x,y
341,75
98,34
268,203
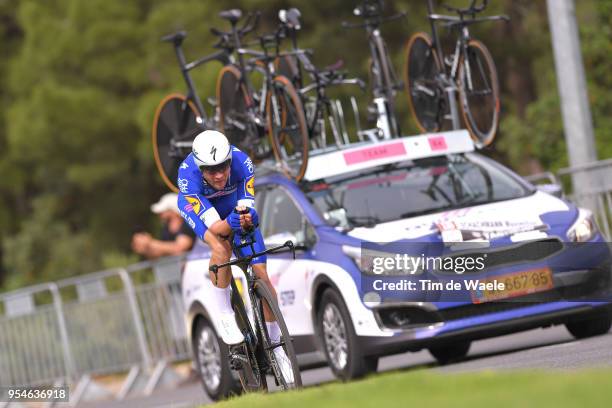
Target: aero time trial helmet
x,y
211,148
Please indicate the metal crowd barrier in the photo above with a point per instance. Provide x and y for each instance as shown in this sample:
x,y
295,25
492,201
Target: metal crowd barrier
x,y
597,196
125,320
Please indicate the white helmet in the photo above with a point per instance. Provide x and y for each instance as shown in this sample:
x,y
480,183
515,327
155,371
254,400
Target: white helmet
x,y
211,148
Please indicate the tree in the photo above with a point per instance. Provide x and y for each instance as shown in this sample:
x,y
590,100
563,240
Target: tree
x,y
80,81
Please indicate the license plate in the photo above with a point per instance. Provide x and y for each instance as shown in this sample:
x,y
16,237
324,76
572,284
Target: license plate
x,y
516,284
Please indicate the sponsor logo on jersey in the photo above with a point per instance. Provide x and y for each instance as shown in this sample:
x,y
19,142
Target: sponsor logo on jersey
x,y
250,186
249,165
184,166
182,185
189,220
195,204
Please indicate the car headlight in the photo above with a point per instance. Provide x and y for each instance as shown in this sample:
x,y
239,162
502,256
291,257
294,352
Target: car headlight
x,y
584,229
373,262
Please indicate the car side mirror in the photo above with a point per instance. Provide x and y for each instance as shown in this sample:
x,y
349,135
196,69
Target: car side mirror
x,y
552,189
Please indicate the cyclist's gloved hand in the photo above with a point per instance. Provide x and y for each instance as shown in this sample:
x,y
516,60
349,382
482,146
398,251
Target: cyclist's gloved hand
x,y
234,221
254,217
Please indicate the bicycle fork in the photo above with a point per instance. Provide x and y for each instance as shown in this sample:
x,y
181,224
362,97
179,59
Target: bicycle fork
x,y
382,121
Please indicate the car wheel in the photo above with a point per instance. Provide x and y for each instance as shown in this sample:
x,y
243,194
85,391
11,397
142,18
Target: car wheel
x,y
212,363
450,352
340,343
593,324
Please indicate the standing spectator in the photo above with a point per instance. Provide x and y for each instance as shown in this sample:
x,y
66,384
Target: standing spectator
x,y
176,237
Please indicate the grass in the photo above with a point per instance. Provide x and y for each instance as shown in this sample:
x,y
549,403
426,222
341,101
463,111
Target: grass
x,y
588,388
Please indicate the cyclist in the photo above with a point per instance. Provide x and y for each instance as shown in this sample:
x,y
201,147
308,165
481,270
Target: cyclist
x,y
213,179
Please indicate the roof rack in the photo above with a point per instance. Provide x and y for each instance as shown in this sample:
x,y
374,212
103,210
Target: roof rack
x,y
362,155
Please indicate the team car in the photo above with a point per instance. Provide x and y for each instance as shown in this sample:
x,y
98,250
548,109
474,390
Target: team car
x,y
547,255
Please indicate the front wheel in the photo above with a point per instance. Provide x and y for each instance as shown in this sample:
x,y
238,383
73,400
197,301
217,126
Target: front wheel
x,y
344,354
287,128
479,93
286,372
421,70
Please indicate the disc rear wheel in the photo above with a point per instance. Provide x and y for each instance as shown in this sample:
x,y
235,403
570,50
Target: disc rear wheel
x,y
288,66
175,125
233,100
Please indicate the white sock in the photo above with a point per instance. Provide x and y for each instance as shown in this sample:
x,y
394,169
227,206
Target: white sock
x,y
273,331
223,299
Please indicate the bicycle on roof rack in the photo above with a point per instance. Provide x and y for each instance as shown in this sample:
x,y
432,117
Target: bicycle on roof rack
x,y
179,118
324,115
383,80
432,79
247,115
254,358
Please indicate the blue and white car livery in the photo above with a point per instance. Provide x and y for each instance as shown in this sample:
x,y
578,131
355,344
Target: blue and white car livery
x,y
431,189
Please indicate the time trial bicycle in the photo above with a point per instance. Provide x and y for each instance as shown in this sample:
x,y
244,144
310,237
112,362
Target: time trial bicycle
x,y
254,358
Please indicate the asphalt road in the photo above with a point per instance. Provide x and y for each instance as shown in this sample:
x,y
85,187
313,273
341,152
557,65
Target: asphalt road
x,y
552,348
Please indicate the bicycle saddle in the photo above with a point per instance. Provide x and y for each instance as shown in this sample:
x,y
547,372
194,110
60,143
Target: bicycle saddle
x,y
335,66
177,37
369,8
471,9
232,15
291,18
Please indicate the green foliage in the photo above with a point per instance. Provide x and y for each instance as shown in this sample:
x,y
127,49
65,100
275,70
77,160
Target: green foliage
x,y
597,48
46,249
80,82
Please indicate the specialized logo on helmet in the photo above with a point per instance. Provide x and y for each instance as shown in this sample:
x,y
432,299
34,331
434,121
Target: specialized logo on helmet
x,y
213,152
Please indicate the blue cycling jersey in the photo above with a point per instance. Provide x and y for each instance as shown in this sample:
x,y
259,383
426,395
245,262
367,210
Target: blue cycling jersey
x,y
201,205
211,205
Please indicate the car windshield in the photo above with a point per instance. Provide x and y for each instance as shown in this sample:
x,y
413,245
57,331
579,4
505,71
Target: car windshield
x,y
412,188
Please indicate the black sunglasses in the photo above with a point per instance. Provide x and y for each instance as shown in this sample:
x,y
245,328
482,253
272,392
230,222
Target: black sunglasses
x,y
217,168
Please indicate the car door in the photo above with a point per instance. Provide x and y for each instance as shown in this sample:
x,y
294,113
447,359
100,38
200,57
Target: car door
x,y
281,219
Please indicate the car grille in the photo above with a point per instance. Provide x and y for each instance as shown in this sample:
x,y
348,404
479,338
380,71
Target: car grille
x,y
410,316
531,251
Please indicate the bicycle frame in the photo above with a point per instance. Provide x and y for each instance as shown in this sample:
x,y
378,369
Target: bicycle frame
x,y
382,85
253,337
459,23
383,91
384,78
322,104
460,45
256,113
222,56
